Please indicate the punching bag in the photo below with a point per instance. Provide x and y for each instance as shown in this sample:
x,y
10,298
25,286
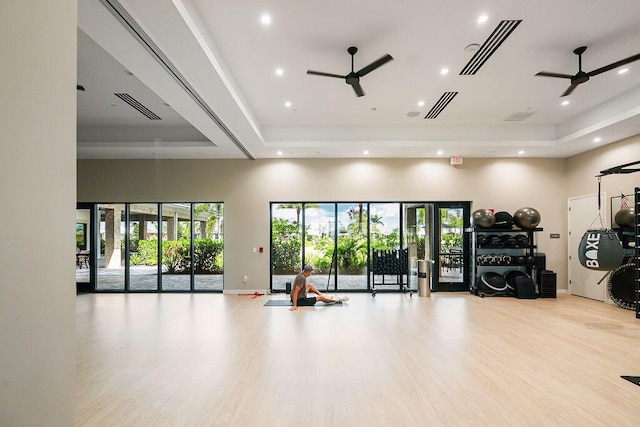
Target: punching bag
x,y
600,250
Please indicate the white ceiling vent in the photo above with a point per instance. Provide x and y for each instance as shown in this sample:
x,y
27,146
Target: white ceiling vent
x,y
442,103
518,117
138,106
488,48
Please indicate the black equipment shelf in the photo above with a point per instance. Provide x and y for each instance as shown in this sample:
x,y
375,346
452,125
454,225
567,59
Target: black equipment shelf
x,y
636,205
519,254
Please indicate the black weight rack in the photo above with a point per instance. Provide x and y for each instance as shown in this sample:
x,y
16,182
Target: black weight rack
x,y
391,263
636,206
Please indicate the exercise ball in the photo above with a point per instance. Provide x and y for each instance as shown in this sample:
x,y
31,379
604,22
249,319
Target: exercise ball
x,y
625,217
600,250
526,218
483,218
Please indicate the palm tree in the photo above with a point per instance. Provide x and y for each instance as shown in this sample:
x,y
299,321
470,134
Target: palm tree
x,y
214,220
297,207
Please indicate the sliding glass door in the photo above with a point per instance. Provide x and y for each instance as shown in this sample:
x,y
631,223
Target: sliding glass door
x,y
149,247
286,244
353,243
110,259
367,246
143,246
452,246
208,247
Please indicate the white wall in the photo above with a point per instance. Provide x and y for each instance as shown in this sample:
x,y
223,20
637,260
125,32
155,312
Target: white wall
x,y
246,188
582,170
37,194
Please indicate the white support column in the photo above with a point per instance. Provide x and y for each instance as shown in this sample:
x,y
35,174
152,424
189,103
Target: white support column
x,y
112,238
38,58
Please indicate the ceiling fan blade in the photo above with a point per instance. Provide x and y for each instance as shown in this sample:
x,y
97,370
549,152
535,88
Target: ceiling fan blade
x,y
320,73
375,64
357,88
614,65
549,74
569,90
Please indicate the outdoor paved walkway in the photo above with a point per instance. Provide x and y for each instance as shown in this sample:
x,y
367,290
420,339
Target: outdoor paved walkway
x,y
144,278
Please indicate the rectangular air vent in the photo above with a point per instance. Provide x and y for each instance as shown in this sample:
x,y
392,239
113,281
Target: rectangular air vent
x,y
135,104
518,117
499,35
444,100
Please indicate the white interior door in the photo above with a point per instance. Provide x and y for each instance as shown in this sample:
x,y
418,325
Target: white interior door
x,y
583,281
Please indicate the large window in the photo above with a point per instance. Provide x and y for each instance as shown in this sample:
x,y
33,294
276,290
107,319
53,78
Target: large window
x,y
207,246
151,247
286,243
370,246
353,243
111,251
143,246
176,247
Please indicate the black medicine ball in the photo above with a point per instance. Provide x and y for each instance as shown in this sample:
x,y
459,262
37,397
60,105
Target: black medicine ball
x,y
504,221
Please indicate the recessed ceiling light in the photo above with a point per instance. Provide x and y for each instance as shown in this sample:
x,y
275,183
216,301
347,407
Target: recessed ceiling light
x,y
279,72
279,153
597,139
365,152
483,18
444,71
420,103
440,152
521,152
565,102
265,19
623,71
287,104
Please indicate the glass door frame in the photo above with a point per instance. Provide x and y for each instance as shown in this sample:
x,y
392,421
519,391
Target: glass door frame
x,y
93,257
448,286
94,248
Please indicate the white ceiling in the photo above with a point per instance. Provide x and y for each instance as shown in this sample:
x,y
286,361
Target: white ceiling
x,y
228,101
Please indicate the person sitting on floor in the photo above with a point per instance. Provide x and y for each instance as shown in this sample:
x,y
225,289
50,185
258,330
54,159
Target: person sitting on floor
x,y
301,288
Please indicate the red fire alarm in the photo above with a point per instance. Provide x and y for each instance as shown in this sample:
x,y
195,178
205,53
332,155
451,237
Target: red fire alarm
x,y
456,160
261,249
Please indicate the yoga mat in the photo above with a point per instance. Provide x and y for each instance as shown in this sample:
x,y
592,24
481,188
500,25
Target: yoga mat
x,y
287,303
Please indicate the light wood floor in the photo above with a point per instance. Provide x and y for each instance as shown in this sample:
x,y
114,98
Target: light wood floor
x,y
452,359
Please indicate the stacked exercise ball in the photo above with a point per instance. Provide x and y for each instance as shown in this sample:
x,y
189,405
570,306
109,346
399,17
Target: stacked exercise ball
x,y
625,217
484,218
526,218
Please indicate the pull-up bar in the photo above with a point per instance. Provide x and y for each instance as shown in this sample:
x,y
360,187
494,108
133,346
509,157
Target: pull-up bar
x,y
621,169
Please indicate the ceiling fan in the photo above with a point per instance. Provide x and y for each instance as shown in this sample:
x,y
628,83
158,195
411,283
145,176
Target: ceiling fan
x,y
581,76
353,78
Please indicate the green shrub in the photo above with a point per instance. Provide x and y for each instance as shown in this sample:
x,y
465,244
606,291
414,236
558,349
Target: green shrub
x,y
175,255
148,251
207,256
135,259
